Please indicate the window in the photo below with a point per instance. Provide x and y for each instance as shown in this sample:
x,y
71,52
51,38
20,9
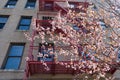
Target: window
x,y
48,6
72,5
47,18
103,25
14,56
119,55
11,3
94,7
75,27
30,4
46,52
24,23
3,20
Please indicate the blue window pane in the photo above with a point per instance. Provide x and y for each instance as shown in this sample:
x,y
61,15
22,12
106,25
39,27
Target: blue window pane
x,y
45,59
103,25
30,4
118,54
101,22
76,28
1,25
3,19
10,6
16,50
25,21
12,2
48,59
48,6
12,63
23,27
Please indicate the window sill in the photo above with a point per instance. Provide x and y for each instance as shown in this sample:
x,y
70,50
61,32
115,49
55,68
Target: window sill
x,y
7,8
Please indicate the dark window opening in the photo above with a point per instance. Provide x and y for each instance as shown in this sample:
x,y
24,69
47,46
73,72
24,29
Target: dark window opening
x,y
3,20
103,25
46,52
48,6
30,4
11,3
47,18
119,54
72,5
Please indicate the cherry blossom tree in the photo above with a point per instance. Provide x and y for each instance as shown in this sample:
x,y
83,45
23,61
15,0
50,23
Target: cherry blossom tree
x,y
89,36
111,6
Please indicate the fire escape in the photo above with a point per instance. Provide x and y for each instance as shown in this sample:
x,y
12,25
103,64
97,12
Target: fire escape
x,y
36,67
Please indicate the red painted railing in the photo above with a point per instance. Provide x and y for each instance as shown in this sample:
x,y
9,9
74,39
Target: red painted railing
x,y
44,23
55,5
42,4
47,24
36,67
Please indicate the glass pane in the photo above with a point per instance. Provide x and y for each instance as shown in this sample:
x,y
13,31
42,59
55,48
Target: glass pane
x,y
3,19
48,4
102,24
16,50
1,25
76,28
25,21
119,54
24,27
10,6
32,4
12,2
48,59
72,5
12,63
45,59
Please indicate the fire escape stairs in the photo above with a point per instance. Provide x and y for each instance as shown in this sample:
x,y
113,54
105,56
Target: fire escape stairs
x,y
62,6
